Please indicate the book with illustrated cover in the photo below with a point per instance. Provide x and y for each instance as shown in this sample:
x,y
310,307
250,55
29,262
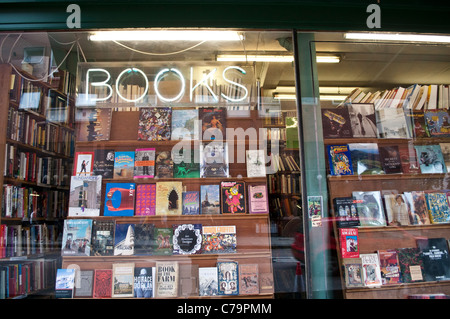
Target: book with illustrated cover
x,y
353,272
418,209
123,280
255,162
233,196
83,164
86,284
365,158
104,163
185,124
84,196
348,238
167,278
445,149
258,202
370,208
163,241
144,163
124,165
103,237
416,123
169,198
210,199
76,240
411,264
214,159
345,212
228,277
391,123
336,123
65,283
371,270
214,123
93,124
219,239
119,199
397,212
339,160
430,159
435,257
390,159
155,124
144,282
145,200
438,207
187,239
362,119
248,279
103,283
438,123
124,239
191,203
389,266
186,163
208,281
144,238
408,158
164,164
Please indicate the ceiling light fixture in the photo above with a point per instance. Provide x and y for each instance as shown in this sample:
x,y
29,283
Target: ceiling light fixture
x,y
166,35
271,58
406,37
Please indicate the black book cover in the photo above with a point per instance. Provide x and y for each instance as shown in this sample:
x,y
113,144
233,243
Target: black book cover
x,y
435,258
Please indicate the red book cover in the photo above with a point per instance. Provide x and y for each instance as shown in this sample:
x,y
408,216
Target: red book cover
x,y
145,199
349,242
389,266
103,283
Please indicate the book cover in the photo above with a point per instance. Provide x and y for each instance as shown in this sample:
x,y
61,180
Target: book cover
x,y
248,279
191,203
418,207
83,163
390,159
370,208
208,281
353,272
363,120
214,123
396,210
84,284
345,212
144,282
145,199
144,238
119,199
445,149
365,158
214,159
85,196
104,163
408,158
169,198
188,280
411,264
164,164
155,124
438,207
371,270
123,280
258,202
93,124
186,163
348,238
219,239
339,160
389,266
233,196
210,199
124,165
416,123
76,240
437,122
430,159
227,274
65,283
144,163
436,261
103,237
336,123
187,239
185,125
103,283
124,239
163,241
167,278
255,162
391,123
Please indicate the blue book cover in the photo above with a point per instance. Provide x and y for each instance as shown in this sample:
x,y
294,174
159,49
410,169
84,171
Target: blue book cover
x,y
119,199
431,159
124,165
339,160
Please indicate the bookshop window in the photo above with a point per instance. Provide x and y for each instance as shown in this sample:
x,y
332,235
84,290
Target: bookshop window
x,y
386,144
143,167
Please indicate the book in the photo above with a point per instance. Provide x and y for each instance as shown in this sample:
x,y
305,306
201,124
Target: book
x,y
396,210
430,159
248,279
228,277
362,120
208,281
389,266
416,123
187,239
76,240
188,280
84,284
371,270
119,199
85,196
219,239
339,160
104,163
185,124
336,123
167,278
186,162
214,123
169,198
390,159
210,199
258,202
144,163
123,280
124,239
418,207
144,282
435,257
155,124
370,208
93,124
438,123
123,165
65,283
163,241
233,198
83,164
408,158
164,164
365,158
445,149
191,203
145,204
214,159
391,123
348,238
438,207
103,237
353,272
411,264
103,283
144,238
255,163
345,212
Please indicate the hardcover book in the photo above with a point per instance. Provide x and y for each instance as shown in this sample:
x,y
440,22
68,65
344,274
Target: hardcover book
x,y
219,239
214,159
336,123
390,159
124,240
207,281
83,164
167,278
362,120
227,273
418,207
255,162
345,212
436,261
144,163
144,238
104,163
186,163
65,283
123,279
164,164
438,207
370,208
348,238
365,158
411,264
233,197
391,123
185,124
430,159
124,165
389,266
353,272
438,123
210,199
258,202
93,124
187,239
163,241
155,124
84,284
339,160
84,196
76,240
408,158
248,279
214,123
169,198
144,282
371,270
191,203
119,199
103,283
145,200
103,237
397,212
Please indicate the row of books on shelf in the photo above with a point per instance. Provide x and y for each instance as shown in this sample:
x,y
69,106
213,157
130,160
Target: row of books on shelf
x,y
164,198
88,237
371,208
166,279
284,184
285,206
374,159
429,261
285,162
21,278
364,120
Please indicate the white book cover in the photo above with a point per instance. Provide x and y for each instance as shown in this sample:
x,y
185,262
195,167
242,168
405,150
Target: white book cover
x,y
207,281
371,270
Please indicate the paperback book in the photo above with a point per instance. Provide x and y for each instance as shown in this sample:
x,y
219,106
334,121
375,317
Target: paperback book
x,y
408,158
163,241
370,208
144,282
345,212
103,283
191,203
186,163
207,281
219,239
119,199
397,212
123,279
258,202
214,159
436,260
164,164
83,164
336,123
248,279
255,162
85,284
169,198
438,207
365,158
348,238
430,159
124,165
124,237
144,238
65,283
353,272
155,124
187,239
104,163
93,124
167,278
371,270
76,240
438,123
103,237
145,200
390,159
411,264
389,266
228,277
233,196
416,123
339,160
84,196
185,124
418,207
210,199
144,163
391,123
214,123
362,120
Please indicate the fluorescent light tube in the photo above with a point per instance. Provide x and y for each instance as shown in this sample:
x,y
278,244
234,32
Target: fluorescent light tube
x,y
271,58
408,37
165,35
